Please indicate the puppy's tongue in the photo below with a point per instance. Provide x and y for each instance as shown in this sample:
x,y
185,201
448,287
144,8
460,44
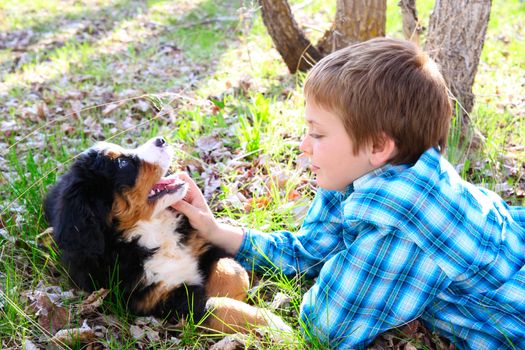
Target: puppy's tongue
x,y
166,184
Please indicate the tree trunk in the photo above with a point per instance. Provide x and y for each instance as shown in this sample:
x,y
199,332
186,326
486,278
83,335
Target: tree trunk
x,y
355,21
296,50
412,28
455,39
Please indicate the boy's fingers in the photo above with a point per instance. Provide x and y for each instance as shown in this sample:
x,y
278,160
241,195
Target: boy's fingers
x,y
193,190
186,178
184,207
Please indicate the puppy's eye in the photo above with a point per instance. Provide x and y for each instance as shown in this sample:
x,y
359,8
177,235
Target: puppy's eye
x,y
122,162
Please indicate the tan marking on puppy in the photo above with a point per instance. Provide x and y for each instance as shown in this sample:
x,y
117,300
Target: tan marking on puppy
x,y
113,153
227,279
150,300
197,244
133,205
231,316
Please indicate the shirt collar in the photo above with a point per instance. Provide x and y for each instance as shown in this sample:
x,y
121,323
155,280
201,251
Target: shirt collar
x,y
427,163
361,182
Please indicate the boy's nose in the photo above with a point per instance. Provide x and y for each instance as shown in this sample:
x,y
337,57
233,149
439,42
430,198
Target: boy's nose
x,y
305,145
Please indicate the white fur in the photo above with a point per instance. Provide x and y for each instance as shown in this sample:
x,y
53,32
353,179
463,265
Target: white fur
x,y
151,153
148,152
104,146
173,263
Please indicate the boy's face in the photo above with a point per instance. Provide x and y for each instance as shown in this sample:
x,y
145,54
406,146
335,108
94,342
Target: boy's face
x,y
330,150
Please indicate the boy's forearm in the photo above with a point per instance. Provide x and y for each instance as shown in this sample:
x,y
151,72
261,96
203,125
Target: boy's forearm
x,y
227,237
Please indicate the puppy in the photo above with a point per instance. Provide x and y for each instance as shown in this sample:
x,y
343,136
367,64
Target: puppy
x,y
114,227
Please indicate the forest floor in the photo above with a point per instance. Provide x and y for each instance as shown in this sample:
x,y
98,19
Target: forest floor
x,y
204,75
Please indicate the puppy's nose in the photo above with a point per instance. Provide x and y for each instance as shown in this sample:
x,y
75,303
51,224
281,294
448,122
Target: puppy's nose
x,y
160,142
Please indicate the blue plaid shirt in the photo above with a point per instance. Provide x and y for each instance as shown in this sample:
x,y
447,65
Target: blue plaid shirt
x,y
405,242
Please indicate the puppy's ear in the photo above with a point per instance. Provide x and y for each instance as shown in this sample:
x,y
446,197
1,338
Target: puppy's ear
x,y
78,219
78,208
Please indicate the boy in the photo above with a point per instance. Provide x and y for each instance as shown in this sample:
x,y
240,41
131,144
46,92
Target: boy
x,y
393,233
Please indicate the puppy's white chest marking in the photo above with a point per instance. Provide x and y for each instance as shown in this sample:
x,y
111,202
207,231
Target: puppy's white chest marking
x,y
173,263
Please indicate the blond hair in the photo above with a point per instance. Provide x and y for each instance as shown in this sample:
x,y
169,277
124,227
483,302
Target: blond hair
x,y
384,87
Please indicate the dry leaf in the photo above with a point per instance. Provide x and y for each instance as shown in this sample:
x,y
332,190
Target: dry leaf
x,y
76,108
279,300
110,108
143,332
92,302
50,316
142,106
70,336
8,128
207,144
411,328
29,345
212,181
230,342
293,195
137,332
67,128
259,203
45,239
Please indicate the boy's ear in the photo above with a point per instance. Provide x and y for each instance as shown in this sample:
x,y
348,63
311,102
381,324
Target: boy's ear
x,y
382,151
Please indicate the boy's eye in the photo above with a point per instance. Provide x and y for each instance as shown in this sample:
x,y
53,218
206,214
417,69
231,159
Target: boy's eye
x,y
315,136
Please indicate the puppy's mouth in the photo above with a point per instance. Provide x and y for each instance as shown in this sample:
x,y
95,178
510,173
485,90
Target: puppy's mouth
x,y
166,185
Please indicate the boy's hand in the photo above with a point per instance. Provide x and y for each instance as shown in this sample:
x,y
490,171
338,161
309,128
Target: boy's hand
x,y
194,206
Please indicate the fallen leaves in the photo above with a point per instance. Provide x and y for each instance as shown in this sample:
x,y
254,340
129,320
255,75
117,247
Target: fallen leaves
x,y
92,302
9,127
50,315
70,336
84,105
46,303
145,328
111,107
256,203
414,335
54,310
230,342
16,40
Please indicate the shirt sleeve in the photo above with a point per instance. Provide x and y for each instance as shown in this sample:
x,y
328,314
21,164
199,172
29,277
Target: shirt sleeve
x,y
518,214
378,283
303,252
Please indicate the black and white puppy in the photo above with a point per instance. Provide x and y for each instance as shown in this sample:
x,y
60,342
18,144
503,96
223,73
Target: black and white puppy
x,y
113,225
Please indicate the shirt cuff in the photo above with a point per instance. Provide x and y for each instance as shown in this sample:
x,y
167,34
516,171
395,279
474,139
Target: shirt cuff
x,y
247,255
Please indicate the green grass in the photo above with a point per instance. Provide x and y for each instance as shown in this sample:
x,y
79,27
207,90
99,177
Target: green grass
x,y
221,78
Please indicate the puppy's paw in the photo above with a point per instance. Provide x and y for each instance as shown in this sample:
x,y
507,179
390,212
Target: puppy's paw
x,y
274,322
230,316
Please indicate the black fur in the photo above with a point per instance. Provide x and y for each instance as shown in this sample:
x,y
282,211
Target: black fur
x,y
78,208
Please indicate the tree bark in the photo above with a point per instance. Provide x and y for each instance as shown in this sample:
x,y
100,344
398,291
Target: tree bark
x,y
455,39
297,51
412,28
355,21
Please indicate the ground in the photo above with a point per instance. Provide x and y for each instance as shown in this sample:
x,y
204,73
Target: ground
x,y
204,75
